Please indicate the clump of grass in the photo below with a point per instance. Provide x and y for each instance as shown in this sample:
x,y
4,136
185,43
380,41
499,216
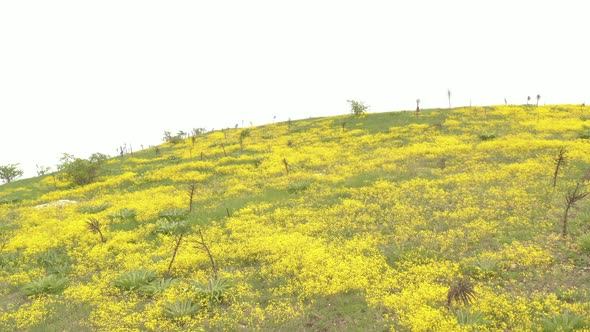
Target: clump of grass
x,y
51,284
180,308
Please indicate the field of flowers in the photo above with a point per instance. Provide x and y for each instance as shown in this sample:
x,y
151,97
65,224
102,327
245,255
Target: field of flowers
x,y
446,220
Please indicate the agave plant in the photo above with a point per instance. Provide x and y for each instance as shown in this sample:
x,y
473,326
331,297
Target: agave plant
x,y
171,227
468,318
51,284
91,209
155,286
123,214
134,279
213,290
180,308
174,214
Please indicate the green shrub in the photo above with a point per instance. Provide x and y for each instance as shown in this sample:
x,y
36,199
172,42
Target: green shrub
x,y
180,308
357,108
134,279
51,284
82,171
173,139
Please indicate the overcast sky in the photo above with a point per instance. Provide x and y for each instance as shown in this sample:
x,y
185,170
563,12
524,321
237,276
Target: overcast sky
x,y
88,76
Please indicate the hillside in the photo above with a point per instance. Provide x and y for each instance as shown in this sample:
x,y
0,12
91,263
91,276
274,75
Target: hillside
x,y
444,221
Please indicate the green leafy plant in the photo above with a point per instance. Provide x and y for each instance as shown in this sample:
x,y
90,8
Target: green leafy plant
x,y
174,214
91,209
55,261
180,308
486,266
123,214
51,284
567,321
154,287
134,279
468,318
213,290
171,227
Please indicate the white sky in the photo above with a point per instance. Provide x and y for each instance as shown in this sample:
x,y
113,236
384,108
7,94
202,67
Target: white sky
x,y
88,76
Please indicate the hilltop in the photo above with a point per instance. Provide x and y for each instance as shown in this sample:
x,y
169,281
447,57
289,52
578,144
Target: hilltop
x,y
444,220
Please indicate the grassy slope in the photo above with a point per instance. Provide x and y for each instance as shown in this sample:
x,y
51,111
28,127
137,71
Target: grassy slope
x,y
368,230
